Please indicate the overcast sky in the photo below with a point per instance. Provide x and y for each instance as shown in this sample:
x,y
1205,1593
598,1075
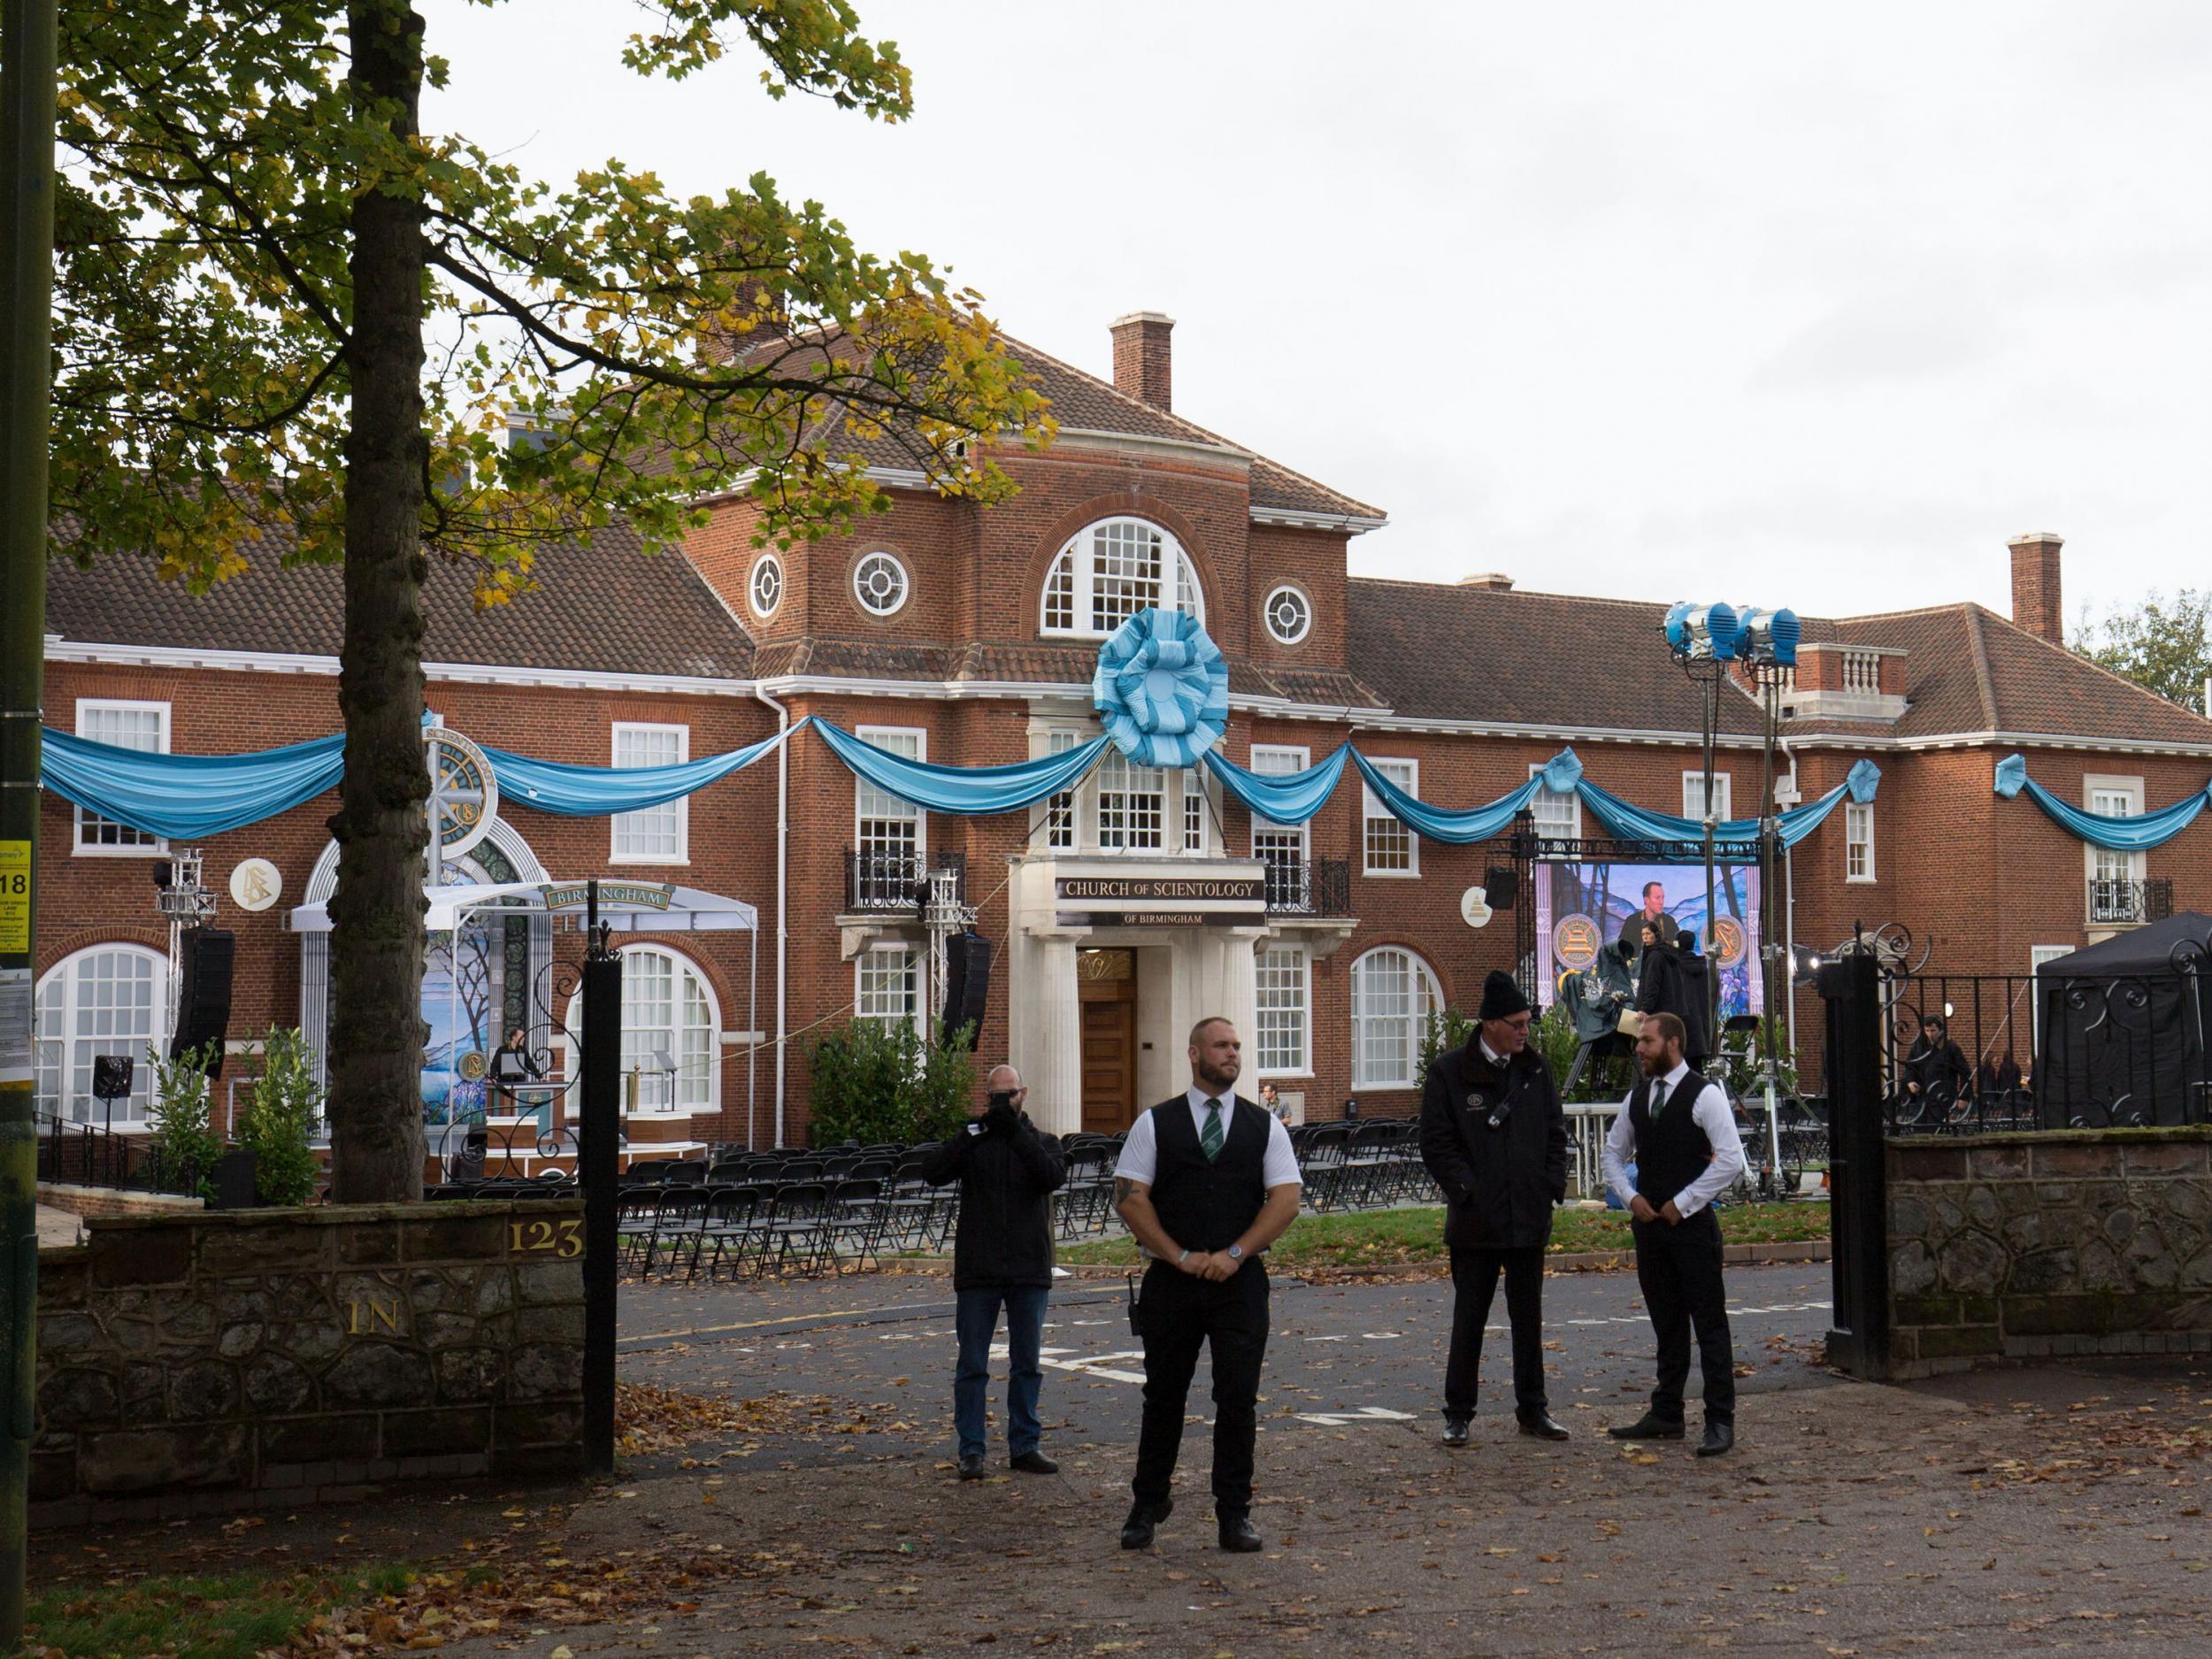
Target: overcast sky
x,y
1776,303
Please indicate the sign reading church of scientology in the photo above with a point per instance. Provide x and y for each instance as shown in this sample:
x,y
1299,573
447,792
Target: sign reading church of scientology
x,y
1162,901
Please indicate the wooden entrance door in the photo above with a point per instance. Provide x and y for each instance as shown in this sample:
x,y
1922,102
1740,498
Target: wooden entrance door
x,y
1108,1012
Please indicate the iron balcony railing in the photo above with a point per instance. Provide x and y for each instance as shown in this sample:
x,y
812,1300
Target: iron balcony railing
x,y
2120,901
896,880
1318,887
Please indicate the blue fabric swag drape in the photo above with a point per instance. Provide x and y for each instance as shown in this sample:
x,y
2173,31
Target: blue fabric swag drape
x,y
596,791
2119,835
965,791
187,797
1633,823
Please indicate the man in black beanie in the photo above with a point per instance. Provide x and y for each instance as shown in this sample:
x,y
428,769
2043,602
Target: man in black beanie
x,y
1494,1138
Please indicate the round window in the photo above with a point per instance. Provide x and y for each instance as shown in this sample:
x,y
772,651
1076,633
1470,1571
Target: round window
x,y
767,584
879,584
1289,615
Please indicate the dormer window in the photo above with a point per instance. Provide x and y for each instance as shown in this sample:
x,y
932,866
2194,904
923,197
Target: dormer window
x,y
1110,571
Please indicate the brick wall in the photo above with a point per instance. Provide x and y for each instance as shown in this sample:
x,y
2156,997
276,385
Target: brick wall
x,y
226,1361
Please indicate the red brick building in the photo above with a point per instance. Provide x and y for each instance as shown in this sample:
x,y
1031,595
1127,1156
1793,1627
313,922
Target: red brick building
x,y
968,636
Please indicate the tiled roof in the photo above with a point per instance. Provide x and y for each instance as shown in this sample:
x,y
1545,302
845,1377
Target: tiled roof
x,y
605,608
1515,657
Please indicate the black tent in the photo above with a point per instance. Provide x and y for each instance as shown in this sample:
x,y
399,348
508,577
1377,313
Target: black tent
x,y
2121,1028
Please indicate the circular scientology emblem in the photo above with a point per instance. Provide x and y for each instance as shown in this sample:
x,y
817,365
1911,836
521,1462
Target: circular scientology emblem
x,y
472,1066
1729,941
1575,941
464,795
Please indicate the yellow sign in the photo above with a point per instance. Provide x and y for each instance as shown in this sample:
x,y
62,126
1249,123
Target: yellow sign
x,y
15,897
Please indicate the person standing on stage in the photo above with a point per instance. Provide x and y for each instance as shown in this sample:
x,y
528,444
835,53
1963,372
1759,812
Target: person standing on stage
x,y
1493,1136
1206,1182
1654,916
1682,1134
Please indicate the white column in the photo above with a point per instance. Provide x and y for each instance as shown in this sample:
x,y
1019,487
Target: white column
x,y
1240,997
1046,1041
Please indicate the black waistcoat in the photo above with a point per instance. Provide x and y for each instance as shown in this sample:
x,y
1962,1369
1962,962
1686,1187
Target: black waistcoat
x,y
1673,1151
1206,1205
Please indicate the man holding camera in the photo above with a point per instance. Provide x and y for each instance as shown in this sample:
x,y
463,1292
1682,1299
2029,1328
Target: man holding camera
x,y
1493,1136
1002,1257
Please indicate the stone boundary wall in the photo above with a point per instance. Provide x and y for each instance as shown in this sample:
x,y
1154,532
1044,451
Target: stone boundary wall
x,y
2017,1247
107,1201
231,1359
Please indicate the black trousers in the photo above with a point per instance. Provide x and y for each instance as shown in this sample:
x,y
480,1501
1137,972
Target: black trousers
x,y
1678,1271
1181,1312
1475,1272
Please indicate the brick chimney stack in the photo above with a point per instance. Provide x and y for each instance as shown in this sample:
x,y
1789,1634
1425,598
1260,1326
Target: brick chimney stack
x,y
2035,592
1143,361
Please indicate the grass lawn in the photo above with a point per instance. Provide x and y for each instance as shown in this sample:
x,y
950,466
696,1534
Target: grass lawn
x,y
1383,1238
231,1617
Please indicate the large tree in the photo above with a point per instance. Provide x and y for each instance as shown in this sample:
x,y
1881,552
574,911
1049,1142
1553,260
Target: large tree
x,y
2163,646
290,324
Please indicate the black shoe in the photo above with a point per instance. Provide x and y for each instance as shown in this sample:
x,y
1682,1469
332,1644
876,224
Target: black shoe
x,y
1541,1424
1034,1463
1136,1532
1237,1535
971,1466
1649,1427
1455,1433
1719,1437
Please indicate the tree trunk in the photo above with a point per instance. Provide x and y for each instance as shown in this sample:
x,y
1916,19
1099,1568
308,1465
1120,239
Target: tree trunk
x,y
376,960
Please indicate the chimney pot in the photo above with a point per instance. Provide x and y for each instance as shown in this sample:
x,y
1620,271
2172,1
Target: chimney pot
x,y
2036,603
1496,582
1143,358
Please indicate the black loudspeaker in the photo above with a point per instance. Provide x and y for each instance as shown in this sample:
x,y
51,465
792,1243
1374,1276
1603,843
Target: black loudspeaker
x,y
967,984
203,993
113,1075
1501,886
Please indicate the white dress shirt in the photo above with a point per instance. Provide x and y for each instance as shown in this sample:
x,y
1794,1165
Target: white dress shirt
x,y
1141,1156
1711,1113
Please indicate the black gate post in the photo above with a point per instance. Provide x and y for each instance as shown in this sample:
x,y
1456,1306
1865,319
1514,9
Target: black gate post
x,y
1858,1220
598,1131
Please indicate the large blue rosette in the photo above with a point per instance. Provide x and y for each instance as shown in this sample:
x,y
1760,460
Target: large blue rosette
x,y
1162,689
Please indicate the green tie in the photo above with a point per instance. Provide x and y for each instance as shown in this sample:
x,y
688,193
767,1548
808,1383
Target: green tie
x,y
1658,1096
1211,1136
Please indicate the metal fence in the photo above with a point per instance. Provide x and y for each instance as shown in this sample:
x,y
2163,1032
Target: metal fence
x,y
74,1154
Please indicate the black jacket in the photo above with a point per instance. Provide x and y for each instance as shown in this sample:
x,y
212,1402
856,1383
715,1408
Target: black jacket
x,y
1006,1175
1499,1184
1673,981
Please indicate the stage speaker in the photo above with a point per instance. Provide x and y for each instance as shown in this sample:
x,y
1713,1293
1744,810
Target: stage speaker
x,y
1501,886
204,992
113,1075
967,984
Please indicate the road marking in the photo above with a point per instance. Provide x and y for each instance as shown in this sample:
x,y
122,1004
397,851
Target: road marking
x,y
1345,1419
1090,1365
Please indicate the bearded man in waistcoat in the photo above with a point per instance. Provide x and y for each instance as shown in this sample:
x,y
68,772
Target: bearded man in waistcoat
x,y
1206,1182
1681,1131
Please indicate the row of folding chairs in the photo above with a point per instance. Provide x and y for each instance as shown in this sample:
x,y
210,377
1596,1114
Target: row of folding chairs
x,y
1366,1165
795,1229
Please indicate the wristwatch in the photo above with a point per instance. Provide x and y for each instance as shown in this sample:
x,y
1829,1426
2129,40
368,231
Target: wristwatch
x,y
1236,1252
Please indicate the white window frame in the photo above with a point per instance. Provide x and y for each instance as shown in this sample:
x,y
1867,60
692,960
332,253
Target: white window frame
x,y
1061,815
1274,760
687,972
915,979
1857,816
2127,866
1693,795
862,787
159,846
1178,578
906,582
1425,983
619,823
1372,810
1193,812
1117,769
2038,954
132,1114
752,585
1571,825
1301,1065
1267,614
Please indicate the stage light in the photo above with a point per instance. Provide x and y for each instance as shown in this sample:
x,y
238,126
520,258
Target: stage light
x,y
1768,636
1709,634
1677,641
1947,1010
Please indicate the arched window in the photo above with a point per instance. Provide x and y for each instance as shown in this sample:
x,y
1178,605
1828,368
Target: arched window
x,y
1110,571
1394,992
107,998
670,1032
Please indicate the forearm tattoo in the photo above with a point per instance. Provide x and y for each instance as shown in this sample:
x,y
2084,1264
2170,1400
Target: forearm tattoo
x,y
1123,1188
